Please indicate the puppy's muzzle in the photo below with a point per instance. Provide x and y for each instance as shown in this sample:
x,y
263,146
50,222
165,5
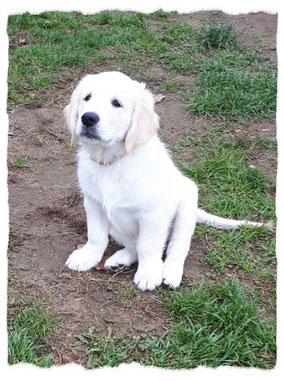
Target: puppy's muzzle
x,y
89,123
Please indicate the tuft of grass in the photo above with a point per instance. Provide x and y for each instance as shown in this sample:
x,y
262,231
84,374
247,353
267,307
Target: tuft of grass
x,y
28,330
69,146
217,36
19,162
212,325
160,14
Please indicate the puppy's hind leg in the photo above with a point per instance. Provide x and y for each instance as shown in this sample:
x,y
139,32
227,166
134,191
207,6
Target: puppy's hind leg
x,y
124,257
180,238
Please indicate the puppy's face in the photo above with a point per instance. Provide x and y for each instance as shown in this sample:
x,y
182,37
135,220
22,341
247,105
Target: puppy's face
x,y
106,108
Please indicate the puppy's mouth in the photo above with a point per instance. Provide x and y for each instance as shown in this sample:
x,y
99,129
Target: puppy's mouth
x,y
89,133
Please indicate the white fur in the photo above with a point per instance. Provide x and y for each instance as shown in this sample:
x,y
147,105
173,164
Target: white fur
x,y
141,199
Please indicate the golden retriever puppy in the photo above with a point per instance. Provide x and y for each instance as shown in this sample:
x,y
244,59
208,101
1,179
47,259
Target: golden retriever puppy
x,y
132,190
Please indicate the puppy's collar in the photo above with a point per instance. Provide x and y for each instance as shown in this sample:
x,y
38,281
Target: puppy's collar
x,y
112,161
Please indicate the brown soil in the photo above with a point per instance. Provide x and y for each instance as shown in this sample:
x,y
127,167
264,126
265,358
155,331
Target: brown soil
x,y
47,219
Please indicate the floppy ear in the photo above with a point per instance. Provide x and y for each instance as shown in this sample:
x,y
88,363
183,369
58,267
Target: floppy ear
x,y
71,111
144,121
71,115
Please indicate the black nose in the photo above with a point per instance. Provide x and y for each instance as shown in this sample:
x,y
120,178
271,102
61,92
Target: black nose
x,y
89,119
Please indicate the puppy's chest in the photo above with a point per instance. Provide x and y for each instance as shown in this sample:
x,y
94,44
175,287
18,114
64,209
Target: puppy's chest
x,y
106,187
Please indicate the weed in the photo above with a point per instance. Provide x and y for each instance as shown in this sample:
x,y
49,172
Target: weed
x,y
13,279
19,162
69,146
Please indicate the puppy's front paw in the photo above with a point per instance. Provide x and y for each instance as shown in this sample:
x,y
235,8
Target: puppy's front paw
x,y
148,277
172,274
83,259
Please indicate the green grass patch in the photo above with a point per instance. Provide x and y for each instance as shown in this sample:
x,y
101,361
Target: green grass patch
x,y
251,250
28,330
56,41
230,91
43,46
212,325
228,185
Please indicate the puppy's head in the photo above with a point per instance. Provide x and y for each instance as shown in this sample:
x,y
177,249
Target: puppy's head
x,y
109,107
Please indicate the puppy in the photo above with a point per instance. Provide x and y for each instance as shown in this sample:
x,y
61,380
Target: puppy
x,y
132,190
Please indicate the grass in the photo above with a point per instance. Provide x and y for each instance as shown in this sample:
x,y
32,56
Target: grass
x,y
212,325
249,250
230,187
44,47
228,184
123,294
56,41
20,162
28,330
216,36
225,91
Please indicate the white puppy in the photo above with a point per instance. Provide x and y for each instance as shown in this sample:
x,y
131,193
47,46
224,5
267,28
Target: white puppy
x,y
132,190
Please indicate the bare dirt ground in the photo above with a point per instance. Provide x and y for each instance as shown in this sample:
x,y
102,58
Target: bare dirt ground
x,y
47,219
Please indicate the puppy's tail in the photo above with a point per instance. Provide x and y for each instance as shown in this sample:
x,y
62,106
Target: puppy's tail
x,y
226,223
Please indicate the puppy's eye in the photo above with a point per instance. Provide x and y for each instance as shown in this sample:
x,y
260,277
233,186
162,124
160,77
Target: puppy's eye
x,y
116,103
87,98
